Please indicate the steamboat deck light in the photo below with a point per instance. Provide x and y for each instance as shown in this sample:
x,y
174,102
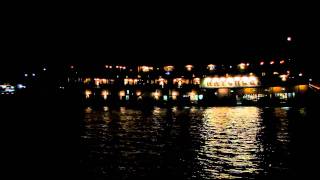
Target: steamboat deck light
x,y
211,67
189,67
242,66
168,68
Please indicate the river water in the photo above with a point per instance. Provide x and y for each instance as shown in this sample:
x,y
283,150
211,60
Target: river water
x,y
192,143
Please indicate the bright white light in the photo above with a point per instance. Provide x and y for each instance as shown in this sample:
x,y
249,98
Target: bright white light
x,y
300,74
200,96
44,69
26,75
20,86
289,38
33,74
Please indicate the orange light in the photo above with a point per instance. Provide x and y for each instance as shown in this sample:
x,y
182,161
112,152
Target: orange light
x,y
138,93
282,62
271,62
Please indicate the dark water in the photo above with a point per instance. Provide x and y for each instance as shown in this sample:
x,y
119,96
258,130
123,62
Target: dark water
x,y
194,143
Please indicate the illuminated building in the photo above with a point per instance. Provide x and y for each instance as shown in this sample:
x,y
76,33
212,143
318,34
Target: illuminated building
x,y
250,82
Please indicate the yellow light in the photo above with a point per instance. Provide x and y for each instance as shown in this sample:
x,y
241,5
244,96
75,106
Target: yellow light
x,y
104,94
242,66
283,77
86,80
97,81
122,93
189,67
156,94
168,68
146,68
196,81
88,93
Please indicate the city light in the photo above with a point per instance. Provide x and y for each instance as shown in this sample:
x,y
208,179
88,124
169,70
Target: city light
x,y
300,74
271,62
261,63
289,39
282,62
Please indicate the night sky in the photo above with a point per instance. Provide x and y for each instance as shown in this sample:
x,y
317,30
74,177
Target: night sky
x,y
211,37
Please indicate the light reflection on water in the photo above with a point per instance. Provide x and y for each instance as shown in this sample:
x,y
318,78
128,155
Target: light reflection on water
x,y
187,143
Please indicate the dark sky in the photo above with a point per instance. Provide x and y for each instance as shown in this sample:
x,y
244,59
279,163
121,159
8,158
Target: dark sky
x,y
213,36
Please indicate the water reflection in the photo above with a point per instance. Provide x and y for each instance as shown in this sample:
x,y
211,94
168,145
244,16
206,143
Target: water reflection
x,y
188,143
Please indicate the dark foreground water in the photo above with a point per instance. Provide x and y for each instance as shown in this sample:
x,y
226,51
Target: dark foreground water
x,y
194,143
